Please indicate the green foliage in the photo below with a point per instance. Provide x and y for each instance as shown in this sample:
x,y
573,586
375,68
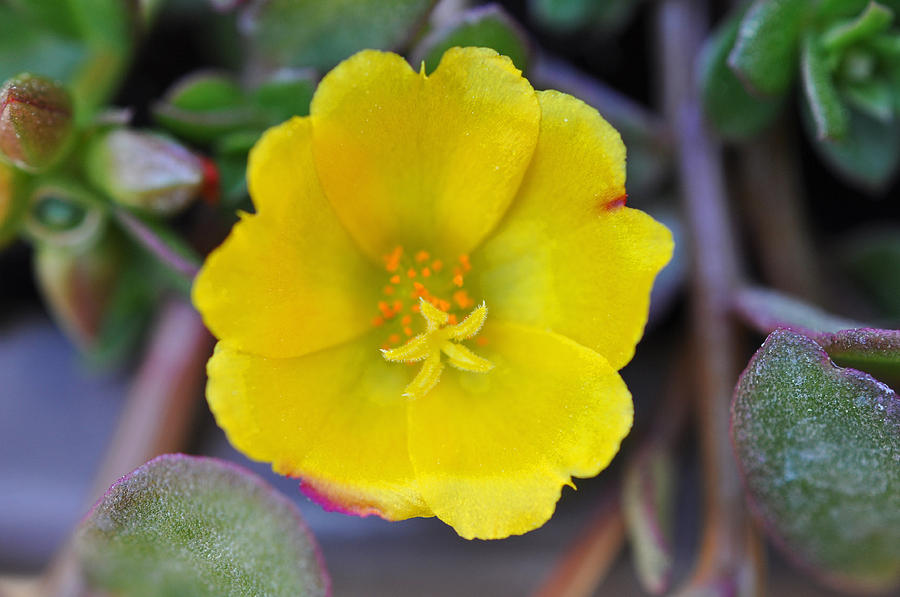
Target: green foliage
x,y
764,55
867,155
312,33
570,15
829,114
84,43
848,55
487,26
849,343
819,446
197,527
873,260
732,110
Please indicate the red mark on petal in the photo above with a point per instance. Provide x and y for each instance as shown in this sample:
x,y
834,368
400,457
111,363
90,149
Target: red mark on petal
x,y
616,203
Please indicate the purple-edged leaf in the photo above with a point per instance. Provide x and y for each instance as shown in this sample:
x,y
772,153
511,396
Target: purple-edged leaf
x,y
850,343
648,503
819,448
767,310
198,527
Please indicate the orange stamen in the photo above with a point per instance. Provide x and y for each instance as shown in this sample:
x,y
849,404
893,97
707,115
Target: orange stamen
x,y
398,306
422,256
462,299
395,279
411,273
452,319
392,261
378,320
389,290
458,280
407,319
407,330
437,265
426,272
481,341
394,338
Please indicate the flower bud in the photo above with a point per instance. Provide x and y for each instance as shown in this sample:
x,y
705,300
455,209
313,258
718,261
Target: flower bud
x,y
63,215
145,171
78,284
13,201
35,121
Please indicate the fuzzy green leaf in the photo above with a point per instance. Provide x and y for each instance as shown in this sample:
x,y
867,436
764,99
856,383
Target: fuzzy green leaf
x,y
819,447
764,55
198,527
735,113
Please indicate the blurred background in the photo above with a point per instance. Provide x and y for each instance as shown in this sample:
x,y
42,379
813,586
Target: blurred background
x,y
71,372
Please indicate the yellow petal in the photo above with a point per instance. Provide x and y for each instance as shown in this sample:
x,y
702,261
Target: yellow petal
x,y
288,280
336,418
491,451
568,257
424,162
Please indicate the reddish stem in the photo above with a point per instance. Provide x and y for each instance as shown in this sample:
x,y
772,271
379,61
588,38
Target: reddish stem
x,y
583,567
725,564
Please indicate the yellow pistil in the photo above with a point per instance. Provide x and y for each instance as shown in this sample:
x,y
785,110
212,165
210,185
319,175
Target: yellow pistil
x,y
440,336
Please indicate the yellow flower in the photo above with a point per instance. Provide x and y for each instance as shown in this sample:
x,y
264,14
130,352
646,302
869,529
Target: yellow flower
x,y
413,222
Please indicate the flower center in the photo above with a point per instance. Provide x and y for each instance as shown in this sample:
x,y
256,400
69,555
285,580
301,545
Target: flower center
x,y
420,285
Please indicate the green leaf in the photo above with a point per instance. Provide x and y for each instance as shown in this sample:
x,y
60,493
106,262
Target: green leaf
x,y
867,156
874,97
318,34
850,343
14,192
733,112
204,106
85,43
872,21
764,57
286,94
198,527
563,15
872,259
486,26
825,105
818,447
137,291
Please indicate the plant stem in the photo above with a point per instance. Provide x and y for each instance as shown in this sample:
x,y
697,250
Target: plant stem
x,y
724,559
584,566
771,196
155,419
151,240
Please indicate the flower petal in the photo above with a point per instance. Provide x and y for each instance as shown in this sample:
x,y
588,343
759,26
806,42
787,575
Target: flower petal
x,y
335,418
288,280
568,256
423,161
492,451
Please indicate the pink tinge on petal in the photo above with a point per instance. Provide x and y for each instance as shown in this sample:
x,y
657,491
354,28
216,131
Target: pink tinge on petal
x,y
333,499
